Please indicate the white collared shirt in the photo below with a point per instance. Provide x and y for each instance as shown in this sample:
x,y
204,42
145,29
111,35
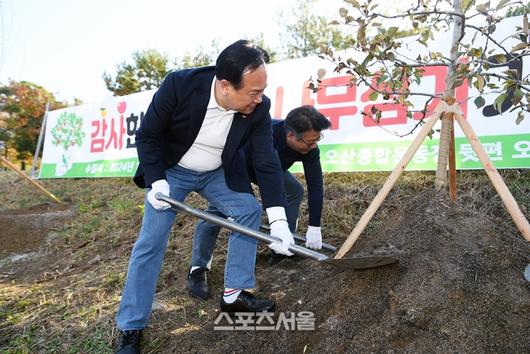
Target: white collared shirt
x,y
205,153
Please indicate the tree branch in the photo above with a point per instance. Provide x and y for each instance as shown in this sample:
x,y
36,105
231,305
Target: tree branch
x,y
435,12
393,92
506,78
488,36
482,61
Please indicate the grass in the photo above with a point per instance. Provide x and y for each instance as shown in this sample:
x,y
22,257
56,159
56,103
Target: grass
x,y
68,303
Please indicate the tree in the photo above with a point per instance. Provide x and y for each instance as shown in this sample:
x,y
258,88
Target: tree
x,y
391,71
22,106
272,53
147,72
200,57
306,33
149,68
516,10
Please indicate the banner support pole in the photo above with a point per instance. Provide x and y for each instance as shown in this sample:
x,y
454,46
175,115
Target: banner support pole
x,y
39,141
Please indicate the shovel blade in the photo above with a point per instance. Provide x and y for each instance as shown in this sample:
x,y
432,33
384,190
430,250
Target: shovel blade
x,y
358,263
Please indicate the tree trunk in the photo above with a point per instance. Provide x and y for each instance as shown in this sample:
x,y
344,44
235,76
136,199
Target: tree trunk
x,y
447,121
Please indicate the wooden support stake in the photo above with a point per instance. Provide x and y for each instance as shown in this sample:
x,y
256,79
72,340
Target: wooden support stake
x,y
452,160
389,183
41,188
496,179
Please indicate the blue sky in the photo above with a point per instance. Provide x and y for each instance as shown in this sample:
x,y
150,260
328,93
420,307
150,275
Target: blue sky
x,y
66,45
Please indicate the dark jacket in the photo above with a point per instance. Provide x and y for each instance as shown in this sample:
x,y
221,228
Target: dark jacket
x,y
312,170
173,120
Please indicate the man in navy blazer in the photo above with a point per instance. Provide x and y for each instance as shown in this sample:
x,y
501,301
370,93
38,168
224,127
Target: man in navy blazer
x,y
190,140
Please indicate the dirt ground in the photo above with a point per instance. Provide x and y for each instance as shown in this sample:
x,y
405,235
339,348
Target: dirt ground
x,y
458,286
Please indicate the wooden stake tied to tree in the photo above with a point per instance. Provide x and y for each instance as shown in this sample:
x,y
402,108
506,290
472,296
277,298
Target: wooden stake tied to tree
x,y
493,174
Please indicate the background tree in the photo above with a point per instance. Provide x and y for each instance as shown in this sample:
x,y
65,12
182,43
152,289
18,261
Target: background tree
x,y
202,56
517,10
391,71
273,53
307,33
148,70
22,106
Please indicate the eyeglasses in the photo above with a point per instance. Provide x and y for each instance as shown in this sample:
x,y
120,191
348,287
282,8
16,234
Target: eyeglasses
x,y
314,143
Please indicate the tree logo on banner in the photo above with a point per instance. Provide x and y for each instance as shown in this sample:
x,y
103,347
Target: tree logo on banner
x,y
67,134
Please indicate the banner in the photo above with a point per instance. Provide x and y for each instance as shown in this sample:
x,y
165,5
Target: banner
x,y
98,140
94,140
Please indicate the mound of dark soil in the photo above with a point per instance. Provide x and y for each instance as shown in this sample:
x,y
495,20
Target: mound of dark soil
x,y
458,287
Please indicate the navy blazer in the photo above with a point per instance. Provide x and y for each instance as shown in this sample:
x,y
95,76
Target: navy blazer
x,y
173,120
312,169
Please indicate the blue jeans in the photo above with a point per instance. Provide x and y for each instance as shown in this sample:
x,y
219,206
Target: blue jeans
x,y
148,251
294,193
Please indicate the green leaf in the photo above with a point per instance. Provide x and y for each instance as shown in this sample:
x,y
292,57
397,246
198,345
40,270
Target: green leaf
x,y
373,96
492,29
480,101
517,97
499,101
392,31
520,117
499,58
480,82
465,4
519,46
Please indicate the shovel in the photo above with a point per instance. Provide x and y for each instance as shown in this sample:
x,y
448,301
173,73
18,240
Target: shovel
x,y
346,263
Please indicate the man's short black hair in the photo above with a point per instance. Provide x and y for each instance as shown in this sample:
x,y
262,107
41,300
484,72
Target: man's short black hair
x,y
236,59
305,118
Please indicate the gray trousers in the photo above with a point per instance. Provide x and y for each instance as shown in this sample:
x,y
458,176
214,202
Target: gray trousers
x,y
294,193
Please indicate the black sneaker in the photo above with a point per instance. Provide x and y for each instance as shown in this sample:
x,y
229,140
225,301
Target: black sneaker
x,y
198,284
247,302
275,258
129,342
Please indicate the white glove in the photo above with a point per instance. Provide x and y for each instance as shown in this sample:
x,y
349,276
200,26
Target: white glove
x,y
159,186
313,237
280,229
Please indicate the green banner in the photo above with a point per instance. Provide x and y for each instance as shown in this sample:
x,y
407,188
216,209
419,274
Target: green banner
x,y
101,168
505,151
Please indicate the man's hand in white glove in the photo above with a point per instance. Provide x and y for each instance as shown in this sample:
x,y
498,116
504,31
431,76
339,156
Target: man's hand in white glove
x,y
280,228
160,186
313,237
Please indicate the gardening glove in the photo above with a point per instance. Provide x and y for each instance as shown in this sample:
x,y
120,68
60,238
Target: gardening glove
x,y
159,186
313,237
280,228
